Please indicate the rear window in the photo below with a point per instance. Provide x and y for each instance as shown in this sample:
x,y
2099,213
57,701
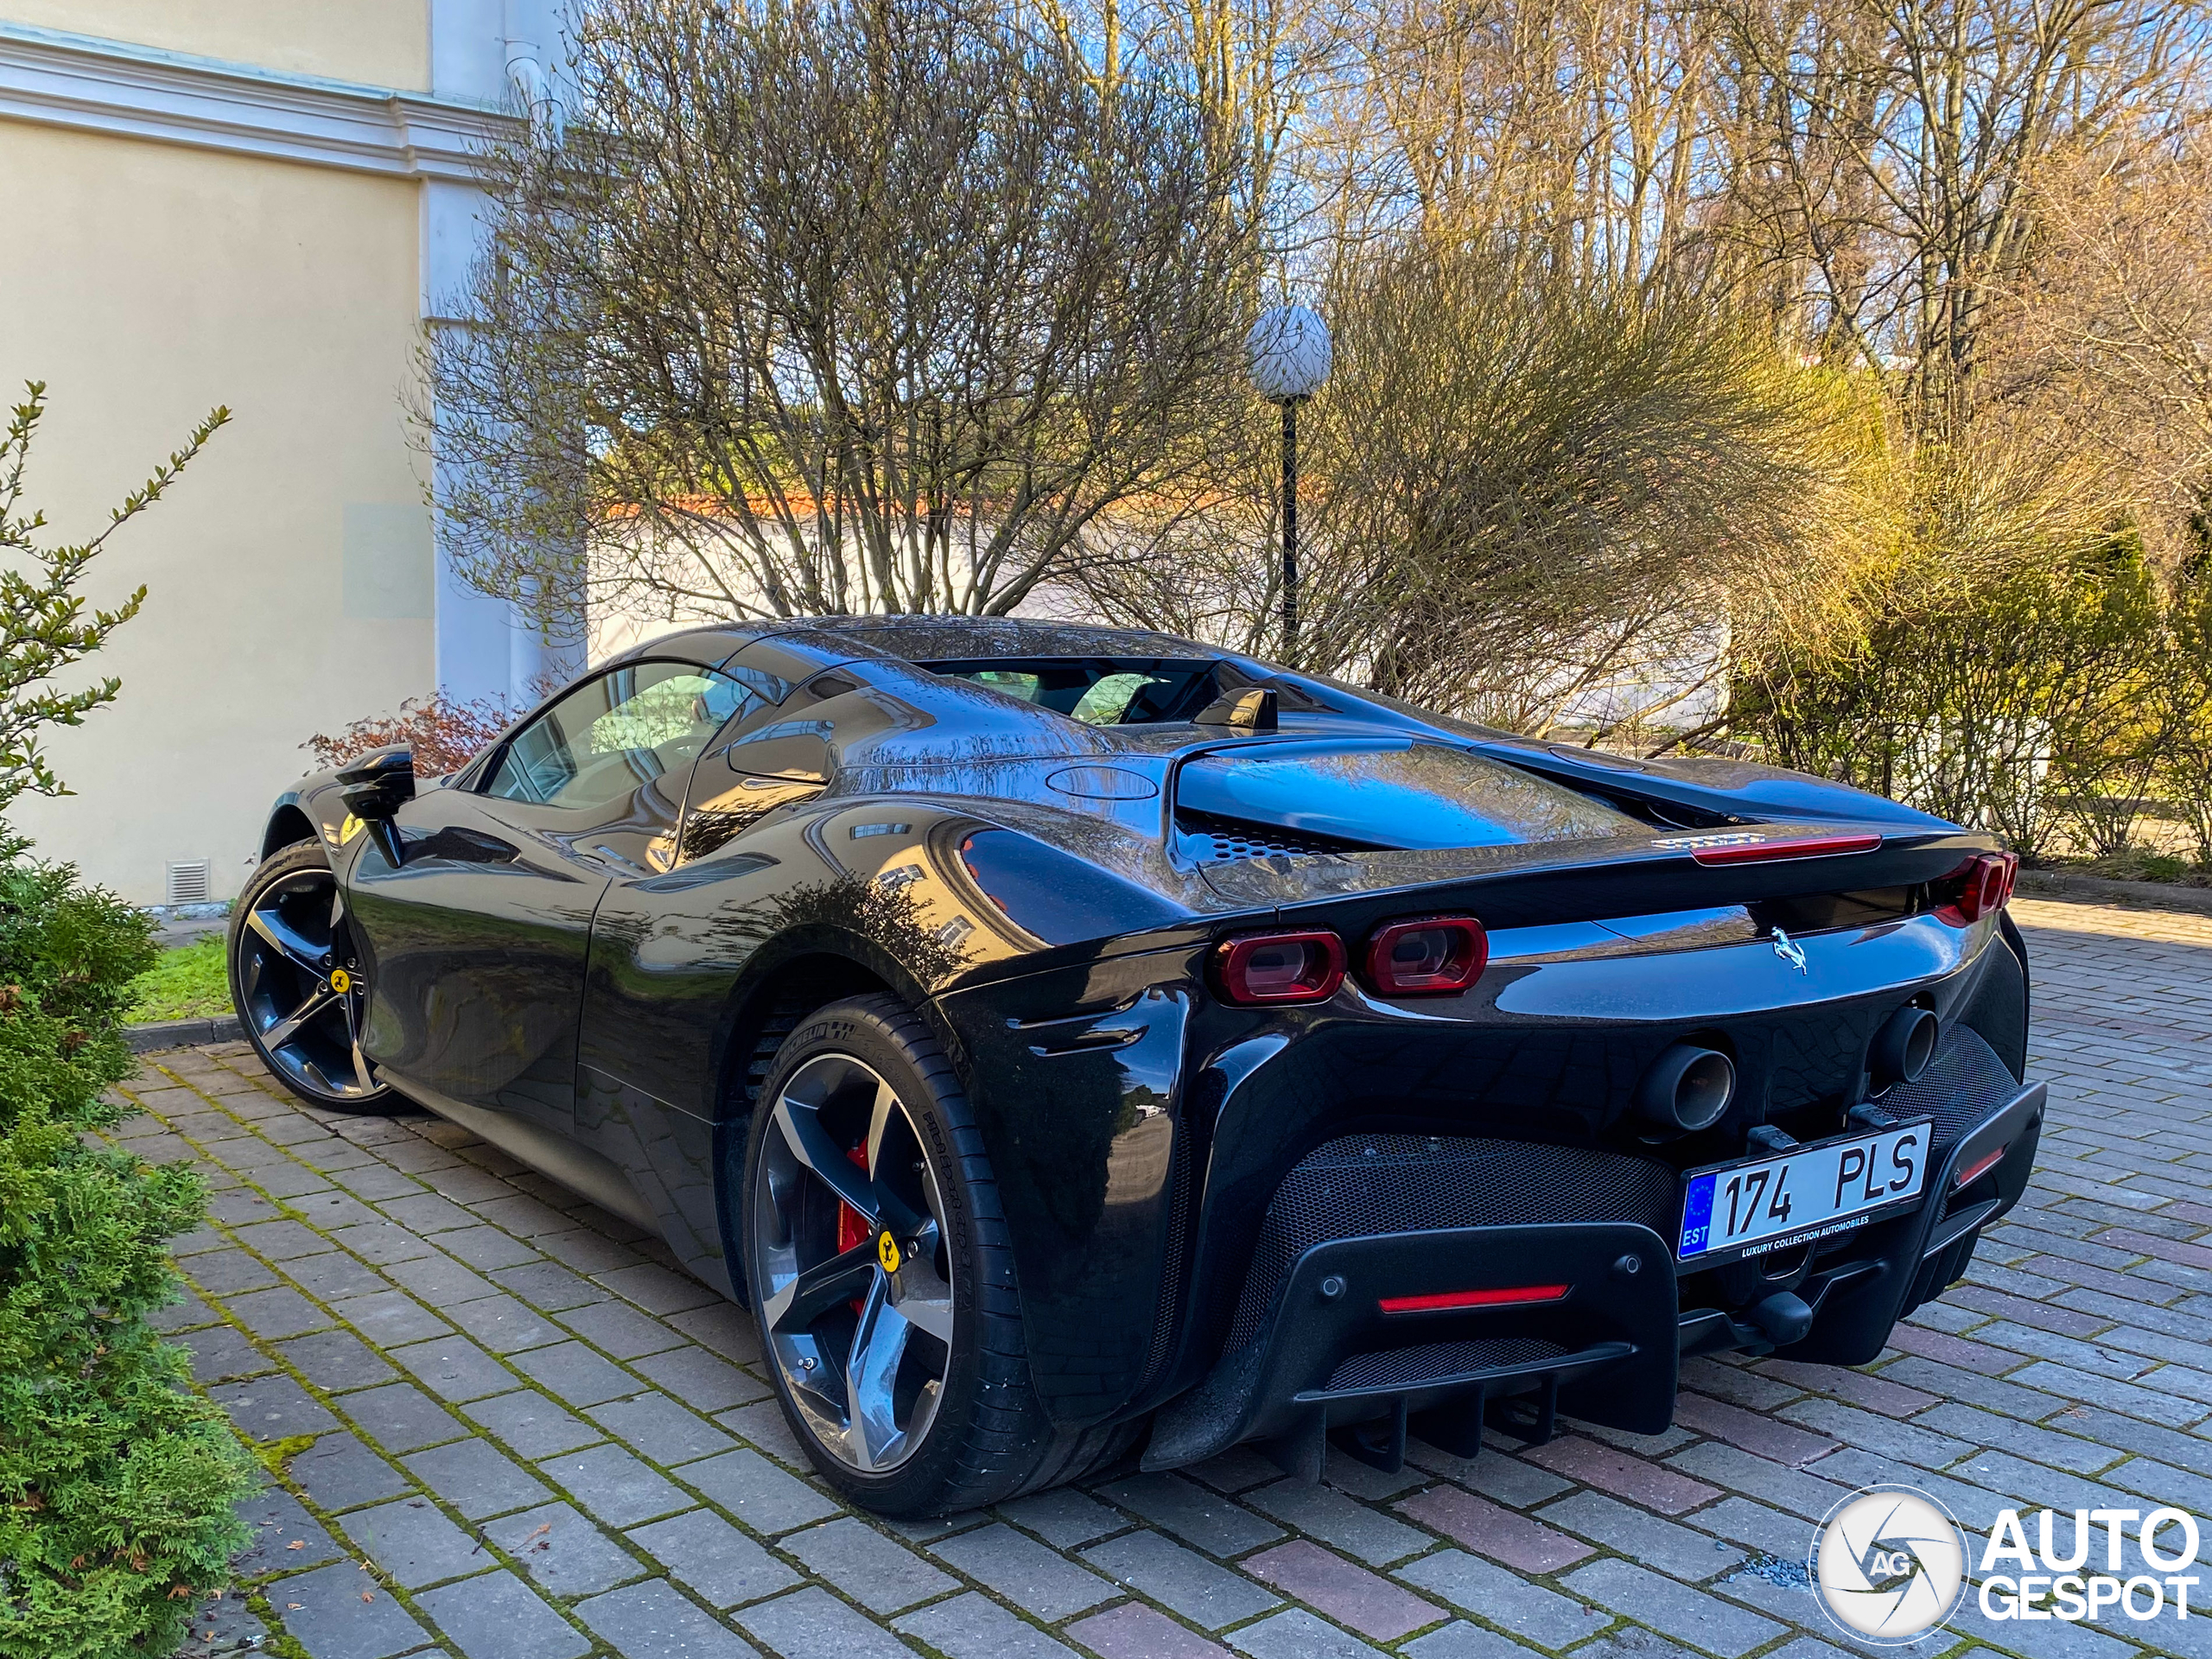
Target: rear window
x,y
1394,793
1097,690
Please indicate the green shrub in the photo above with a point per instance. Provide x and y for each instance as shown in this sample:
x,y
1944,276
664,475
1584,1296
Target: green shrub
x,y
117,1482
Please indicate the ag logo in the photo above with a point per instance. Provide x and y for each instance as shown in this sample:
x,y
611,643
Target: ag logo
x,y
1888,1564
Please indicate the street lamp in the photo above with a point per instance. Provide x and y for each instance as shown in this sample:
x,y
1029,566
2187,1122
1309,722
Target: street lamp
x,y
1288,353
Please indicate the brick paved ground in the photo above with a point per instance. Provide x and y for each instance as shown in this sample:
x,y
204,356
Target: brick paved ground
x,y
508,1428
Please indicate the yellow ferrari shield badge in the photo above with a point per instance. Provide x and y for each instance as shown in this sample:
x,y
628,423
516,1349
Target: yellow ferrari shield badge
x,y
340,981
886,1252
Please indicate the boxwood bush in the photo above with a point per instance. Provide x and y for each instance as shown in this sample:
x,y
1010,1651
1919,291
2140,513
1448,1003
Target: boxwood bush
x,y
117,1482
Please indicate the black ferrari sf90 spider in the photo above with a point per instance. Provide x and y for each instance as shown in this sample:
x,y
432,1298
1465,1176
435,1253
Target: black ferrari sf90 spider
x,y
1077,1046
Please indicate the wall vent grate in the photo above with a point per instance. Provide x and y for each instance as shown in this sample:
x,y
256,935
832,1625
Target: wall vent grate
x,y
190,883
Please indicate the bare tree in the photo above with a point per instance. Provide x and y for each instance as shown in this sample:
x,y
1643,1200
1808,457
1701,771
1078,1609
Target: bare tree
x,y
838,305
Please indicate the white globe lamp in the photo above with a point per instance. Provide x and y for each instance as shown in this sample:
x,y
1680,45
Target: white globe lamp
x,y
1289,356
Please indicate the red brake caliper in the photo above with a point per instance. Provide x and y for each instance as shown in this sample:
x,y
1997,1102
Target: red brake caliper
x,y
852,1226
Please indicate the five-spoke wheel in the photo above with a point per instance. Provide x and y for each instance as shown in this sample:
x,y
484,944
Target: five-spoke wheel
x,y
848,1264
296,980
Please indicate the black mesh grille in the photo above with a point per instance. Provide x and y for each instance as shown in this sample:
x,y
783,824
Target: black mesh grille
x,y
1368,1183
1964,1084
1215,839
1400,1368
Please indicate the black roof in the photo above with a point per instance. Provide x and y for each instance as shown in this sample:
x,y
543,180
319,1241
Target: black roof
x,y
921,639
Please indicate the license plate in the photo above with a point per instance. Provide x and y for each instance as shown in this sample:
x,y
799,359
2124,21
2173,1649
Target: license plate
x,y
1764,1204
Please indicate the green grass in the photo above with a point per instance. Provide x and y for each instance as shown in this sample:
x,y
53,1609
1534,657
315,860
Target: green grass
x,y
189,982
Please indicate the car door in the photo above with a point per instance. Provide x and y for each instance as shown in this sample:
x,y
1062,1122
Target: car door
x,y
480,937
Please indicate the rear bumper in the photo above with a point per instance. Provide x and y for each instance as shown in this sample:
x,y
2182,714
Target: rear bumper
x,y
1327,1356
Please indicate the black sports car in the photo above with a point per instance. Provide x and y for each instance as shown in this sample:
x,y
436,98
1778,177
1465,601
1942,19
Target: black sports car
x,y
1076,1045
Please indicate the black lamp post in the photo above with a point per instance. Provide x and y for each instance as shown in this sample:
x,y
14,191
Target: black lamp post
x,y
1289,354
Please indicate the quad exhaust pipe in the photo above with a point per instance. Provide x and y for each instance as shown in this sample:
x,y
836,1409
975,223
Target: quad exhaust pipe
x,y
1903,1046
1687,1088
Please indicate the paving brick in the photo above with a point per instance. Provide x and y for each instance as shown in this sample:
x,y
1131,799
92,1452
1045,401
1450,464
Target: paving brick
x,y
614,1486
563,1551
1754,1431
329,1209
401,1418
487,1248
1033,1578
525,1217
389,1318
1522,1485
1193,1514
653,1621
1180,1579
504,1325
1460,1640
335,1612
1296,1634
272,1408
339,1472
722,1564
1691,1615
1672,1549
381,1242
1350,1594
284,1537
657,1290
660,1429
700,1380
757,1493
224,1351
426,1213
1063,1517
1324,1513
975,1627
531,1424
500,1617
278,1312
547,1285
335,1361
475,1479
881,1574
439,1281
415,1543
621,1330
1751,1387
1498,1532
1616,1472
2043,1445
813,1624
1133,1630
763,1424
728,1331
334,1276
573,1373
376,1181
454,1368
1504,1598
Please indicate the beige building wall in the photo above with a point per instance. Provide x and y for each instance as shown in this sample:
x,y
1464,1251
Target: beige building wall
x,y
260,204
288,573
374,42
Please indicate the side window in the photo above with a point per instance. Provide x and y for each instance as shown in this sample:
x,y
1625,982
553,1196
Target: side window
x,y
613,733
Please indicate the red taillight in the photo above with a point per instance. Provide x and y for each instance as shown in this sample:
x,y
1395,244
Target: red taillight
x,y
1980,1166
1447,1301
1755,852
1433,956
1273,967
1985,886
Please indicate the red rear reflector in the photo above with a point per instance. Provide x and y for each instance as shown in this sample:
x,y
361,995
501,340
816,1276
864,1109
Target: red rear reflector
x,y
1980,1166
1433,956
1263,968
1755,852
1448,1300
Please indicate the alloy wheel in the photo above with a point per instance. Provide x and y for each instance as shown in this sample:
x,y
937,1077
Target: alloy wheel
x,y
300,986
848,1263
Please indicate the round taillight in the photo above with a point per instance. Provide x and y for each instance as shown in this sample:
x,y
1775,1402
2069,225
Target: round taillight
x,y
1429,955
1263,968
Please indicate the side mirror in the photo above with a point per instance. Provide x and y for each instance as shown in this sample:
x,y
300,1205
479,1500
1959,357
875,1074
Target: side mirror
x,y
374,787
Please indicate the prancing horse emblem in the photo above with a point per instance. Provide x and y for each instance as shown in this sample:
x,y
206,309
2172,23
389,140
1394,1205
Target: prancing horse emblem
x,y
1790,952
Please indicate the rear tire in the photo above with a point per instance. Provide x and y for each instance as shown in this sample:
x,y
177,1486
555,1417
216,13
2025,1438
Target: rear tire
x,y
295,982
899,1421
